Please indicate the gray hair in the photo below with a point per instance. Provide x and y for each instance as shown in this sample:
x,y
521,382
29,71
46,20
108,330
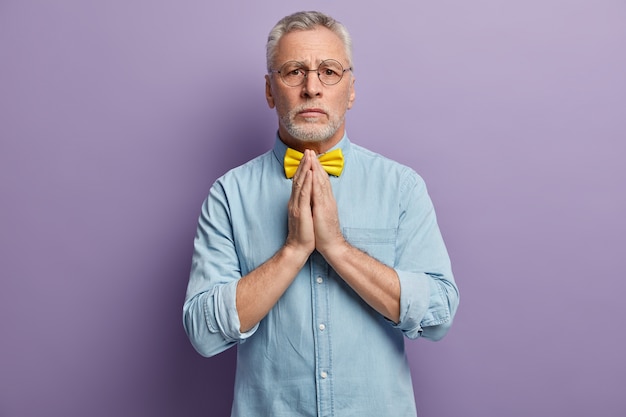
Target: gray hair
x,y
305,21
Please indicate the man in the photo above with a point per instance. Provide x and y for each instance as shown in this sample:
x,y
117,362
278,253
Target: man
x,y
317,277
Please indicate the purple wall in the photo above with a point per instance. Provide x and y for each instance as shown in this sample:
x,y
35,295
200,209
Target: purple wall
x,y
116,117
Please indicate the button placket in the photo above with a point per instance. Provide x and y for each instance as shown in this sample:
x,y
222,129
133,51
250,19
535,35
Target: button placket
x,y
321,316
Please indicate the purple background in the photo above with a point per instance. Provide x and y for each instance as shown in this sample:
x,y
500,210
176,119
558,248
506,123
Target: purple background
x,y
116,117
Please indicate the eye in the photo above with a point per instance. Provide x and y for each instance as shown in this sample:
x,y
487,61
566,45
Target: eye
x,y
331,69
294,72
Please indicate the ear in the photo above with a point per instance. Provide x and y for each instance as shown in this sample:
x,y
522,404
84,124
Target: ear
x,y
268,92
352,94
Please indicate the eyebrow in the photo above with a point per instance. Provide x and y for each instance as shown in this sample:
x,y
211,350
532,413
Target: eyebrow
x,y
304,65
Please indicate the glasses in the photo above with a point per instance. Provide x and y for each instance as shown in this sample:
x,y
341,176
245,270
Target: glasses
x,y
293,73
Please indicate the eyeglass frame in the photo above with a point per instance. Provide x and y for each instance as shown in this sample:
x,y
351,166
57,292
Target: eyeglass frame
x,y
306,72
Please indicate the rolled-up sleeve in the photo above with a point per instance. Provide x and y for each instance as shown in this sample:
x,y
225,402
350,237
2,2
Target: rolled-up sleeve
x,y
210,315
429,296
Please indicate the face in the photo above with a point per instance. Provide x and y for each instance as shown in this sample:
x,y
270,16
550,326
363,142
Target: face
x,y
311,115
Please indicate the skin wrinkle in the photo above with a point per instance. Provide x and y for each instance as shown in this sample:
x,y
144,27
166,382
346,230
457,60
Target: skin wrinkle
x,y
322,132
315,320
313,222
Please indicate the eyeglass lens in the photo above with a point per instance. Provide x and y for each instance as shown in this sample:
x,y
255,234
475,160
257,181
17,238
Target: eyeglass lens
x,y
329,72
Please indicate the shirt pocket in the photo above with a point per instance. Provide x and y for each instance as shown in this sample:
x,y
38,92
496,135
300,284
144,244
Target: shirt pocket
x,y
378,243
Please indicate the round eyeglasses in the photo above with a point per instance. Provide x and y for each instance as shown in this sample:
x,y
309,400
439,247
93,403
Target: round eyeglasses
x,y
293,73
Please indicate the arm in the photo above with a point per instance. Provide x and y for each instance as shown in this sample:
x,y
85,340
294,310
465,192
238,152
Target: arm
x,y
430,296
221,307
376,283
209,315
418,294
259,291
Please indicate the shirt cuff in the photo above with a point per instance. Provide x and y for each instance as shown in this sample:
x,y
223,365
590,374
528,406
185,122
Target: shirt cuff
x,y
422,303
221,313
414,298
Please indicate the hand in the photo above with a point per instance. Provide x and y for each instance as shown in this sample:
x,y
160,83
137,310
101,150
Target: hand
x,y
328,236
301,235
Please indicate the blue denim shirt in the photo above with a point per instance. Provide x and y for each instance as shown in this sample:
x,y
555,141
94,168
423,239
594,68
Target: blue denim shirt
x,y
321,350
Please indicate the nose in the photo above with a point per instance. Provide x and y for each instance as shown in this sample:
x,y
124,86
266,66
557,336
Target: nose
x,y
312,86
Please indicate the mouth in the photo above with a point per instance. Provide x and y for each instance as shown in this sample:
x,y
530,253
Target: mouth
x,y
311,112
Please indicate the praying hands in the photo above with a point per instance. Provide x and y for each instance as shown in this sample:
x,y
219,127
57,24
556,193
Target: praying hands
x,y
314,224
313,218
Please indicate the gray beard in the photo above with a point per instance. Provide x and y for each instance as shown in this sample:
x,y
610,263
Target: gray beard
x,y
308,132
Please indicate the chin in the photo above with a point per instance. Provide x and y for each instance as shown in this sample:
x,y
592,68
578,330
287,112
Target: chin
x,y
310,134
312,138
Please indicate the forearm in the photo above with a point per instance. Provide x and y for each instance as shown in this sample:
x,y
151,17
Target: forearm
x,y
376,283
261,289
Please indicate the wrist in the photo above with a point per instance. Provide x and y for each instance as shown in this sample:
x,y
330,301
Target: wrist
x,y
296,254
335,252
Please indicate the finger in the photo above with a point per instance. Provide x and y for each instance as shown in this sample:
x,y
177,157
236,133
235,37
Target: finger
x,y
321,182
305,163
301,191
315,162
320,173
298,177
304,199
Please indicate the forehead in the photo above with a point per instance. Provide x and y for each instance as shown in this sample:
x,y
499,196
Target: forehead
x,y
310,46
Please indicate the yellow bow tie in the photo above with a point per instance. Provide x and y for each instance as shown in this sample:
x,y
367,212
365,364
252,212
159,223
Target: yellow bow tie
x,y
331,161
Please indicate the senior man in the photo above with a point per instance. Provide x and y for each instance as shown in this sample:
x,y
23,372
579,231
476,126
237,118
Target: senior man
x,y
319,256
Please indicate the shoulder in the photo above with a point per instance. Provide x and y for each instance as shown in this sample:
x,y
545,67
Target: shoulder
x,y
244,178
375,164
254,168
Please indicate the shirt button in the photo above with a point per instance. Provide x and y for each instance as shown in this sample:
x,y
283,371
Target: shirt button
x,y
322,327
320,280
324,375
